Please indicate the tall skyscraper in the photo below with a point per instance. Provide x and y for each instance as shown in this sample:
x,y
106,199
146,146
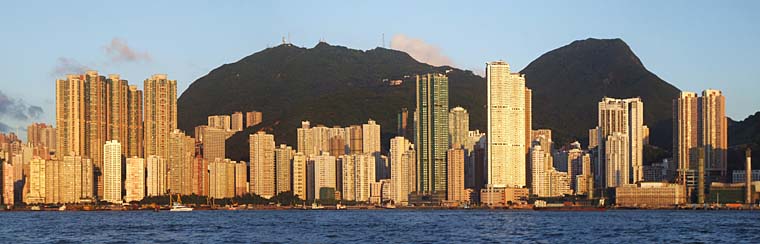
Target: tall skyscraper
x,y
348,177
156,176
135,133
81,117
283,156
403,170
506,152
299,175
685,133
459,126
52,190
700,122
112,172
713,131
262,164
95,119
621,123
179,163
134,184
116,114
371,145
456,192
431,133
160,114
237,121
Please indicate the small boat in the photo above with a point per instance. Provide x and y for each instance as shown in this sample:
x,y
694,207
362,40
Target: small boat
x,y
315,206
62,208
177,206
36,208
389,206
340,207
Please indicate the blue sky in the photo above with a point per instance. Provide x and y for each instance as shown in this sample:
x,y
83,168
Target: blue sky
x,y
694,45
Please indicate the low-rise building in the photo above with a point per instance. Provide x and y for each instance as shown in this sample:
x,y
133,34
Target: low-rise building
x,y
499,197
649,194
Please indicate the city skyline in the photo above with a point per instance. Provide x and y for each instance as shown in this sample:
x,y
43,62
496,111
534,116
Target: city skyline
x,y
123,48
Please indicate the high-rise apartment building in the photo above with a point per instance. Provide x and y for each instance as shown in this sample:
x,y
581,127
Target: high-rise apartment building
x,y
237,121
305,142
348,177
403,171
181,150
160,114
36,181
713,133
459,126
685,133
456,192
116,110
134,183
156,182
43,137
431,133
507,126
402,124
53,181
283,156
7,191
241,176
262,164
112,172
355,140
700,122
620,135
222,178
371,145
220,121
299,175
78,185
82,115
358,172
135,130
214,143
252,118
324,174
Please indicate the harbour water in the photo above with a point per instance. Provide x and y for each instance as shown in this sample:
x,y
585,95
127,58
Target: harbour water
x,y
380,226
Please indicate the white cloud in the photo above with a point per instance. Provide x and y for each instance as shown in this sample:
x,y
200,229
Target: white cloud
x,y
119,51
420,50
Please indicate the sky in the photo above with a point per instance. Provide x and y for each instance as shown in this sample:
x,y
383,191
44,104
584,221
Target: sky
x,y
694,45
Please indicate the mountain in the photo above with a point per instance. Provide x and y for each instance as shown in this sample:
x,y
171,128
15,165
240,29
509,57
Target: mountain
x,y
335,85
326,84
569,82
743,134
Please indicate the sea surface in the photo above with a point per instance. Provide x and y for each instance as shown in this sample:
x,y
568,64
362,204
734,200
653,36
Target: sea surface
x,y
381,226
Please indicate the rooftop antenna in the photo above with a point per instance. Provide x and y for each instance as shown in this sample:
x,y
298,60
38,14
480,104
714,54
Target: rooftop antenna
x,y
383,45
289,41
